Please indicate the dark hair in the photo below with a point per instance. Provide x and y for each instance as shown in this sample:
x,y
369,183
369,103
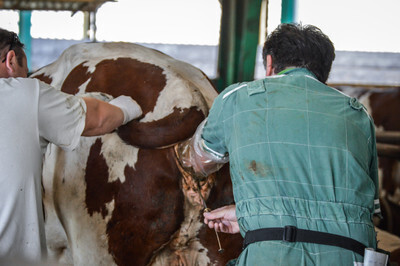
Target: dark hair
x,y
10,41
300,46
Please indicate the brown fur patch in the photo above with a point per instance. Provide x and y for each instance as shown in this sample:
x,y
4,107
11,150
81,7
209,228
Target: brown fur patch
x,y
98,190
44,78
148,205
76,78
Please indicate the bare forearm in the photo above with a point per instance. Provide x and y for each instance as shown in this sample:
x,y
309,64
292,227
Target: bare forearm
x,y
101,117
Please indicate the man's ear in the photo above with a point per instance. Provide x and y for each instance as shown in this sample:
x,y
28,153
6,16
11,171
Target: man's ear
x,y
11,63
269,69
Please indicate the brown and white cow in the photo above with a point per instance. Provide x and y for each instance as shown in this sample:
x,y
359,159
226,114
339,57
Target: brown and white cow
x,y
121,198
384,107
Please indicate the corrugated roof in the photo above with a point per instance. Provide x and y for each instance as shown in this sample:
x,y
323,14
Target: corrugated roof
x,y
66,5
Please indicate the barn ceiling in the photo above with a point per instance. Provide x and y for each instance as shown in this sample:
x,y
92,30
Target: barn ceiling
x,y
66,5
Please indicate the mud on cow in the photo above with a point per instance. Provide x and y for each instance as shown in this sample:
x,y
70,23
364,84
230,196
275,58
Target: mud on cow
x,y
121,198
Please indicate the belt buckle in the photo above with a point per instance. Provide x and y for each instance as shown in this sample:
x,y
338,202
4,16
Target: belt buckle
x,y
289,233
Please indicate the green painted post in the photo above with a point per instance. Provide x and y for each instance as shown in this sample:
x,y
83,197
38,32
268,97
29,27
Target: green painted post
x,y
25,33
226,49
249,40
238,41
289,11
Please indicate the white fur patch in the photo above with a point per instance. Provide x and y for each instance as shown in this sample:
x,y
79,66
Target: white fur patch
x,y
117,155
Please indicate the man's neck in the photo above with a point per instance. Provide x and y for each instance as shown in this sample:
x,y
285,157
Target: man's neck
x,y
286,70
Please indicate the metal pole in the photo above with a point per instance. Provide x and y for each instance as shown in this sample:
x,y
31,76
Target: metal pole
x,y
86,25
289,11
25,33
93,26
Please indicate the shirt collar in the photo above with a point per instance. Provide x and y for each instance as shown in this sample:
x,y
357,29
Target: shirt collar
x,y
258,86
296,71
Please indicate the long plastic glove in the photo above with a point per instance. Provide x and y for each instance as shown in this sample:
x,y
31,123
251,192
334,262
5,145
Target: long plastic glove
x,y
129,107
195,159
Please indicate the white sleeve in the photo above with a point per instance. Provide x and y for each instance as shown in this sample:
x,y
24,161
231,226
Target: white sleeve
x,y
61,117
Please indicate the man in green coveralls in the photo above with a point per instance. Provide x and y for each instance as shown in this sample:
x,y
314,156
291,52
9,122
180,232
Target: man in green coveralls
x,y
302,158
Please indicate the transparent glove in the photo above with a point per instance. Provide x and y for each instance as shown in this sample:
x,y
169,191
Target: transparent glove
x,y
194,158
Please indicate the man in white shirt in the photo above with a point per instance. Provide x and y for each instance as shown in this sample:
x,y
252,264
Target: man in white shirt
x,y
32,115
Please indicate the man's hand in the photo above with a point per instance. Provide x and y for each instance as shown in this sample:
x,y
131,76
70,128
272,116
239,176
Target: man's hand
x,y
129,107
103,117
223,219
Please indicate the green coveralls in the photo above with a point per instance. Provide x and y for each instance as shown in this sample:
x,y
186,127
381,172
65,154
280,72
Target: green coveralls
x,y
302,154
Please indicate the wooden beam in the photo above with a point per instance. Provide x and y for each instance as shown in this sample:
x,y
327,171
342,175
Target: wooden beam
x,y
366,86
389,137
65,5
388,150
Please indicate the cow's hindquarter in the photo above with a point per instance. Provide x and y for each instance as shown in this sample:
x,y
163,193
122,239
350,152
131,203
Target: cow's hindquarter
x,y
114,209
119,198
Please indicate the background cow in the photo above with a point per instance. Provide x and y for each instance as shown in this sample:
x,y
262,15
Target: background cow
x,y
384,107
121,198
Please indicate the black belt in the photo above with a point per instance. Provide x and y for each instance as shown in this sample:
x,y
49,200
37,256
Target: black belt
x,y
293,234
